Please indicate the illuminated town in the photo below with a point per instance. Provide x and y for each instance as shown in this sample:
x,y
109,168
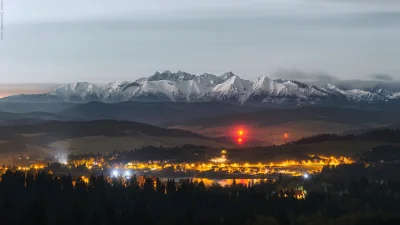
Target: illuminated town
x,y
217,168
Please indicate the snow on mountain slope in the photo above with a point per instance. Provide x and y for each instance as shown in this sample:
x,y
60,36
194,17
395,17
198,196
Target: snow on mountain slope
x,y
182,86
79,89
233,88
84,91
357,95
209,80
274,91
141,80
395,95
263,85
191,88
226,76
361,95
332,89
160,87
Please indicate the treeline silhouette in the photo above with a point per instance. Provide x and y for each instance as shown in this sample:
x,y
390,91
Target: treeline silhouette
x,y
185,152
42,199
383,135
382,153
179,153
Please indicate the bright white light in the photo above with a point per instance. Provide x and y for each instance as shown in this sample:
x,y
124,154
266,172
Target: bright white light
x,y
115,173
63,161
128,173
305,175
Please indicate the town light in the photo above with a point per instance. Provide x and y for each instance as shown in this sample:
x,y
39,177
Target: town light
x,y
306,176
115,173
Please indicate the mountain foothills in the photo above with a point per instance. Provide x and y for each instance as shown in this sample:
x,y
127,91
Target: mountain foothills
x,y
156,113
185,87
43,138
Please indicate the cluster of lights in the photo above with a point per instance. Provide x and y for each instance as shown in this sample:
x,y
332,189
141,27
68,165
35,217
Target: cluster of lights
x,y
115,173
221,162
219,159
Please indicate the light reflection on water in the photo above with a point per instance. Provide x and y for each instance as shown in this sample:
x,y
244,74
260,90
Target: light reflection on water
x,y
222,182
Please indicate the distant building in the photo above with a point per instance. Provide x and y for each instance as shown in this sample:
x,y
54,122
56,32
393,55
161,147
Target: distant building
x,y
299,194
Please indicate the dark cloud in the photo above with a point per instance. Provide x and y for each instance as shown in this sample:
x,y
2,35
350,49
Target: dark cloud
x,y
382,76
382,80
308,77
290,74
367,84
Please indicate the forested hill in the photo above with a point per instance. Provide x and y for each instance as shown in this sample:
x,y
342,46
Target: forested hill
x,y
98,127
383,135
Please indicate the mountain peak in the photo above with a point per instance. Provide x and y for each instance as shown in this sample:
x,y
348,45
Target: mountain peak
x,y
331,86
168,75
227,75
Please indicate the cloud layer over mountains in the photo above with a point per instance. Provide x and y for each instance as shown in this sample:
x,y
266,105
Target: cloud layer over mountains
x,y
382,80
95,41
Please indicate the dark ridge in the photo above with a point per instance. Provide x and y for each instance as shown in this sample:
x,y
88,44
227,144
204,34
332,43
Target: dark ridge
x,y
267,117
382,135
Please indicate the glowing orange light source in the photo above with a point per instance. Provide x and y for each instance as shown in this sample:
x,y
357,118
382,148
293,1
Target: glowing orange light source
x,y
240,132
240,140
286,135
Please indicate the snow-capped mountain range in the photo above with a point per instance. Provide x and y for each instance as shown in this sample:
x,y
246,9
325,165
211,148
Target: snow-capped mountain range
x,y
185,87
